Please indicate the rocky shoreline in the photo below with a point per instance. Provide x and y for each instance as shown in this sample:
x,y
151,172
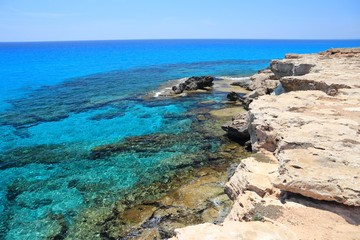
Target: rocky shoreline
x,y
303,180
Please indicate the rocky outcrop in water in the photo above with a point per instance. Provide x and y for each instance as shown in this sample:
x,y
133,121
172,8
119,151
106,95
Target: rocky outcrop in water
x,y
237,129
194,83
305,174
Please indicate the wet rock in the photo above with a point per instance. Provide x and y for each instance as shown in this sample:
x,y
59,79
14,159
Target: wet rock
x,y
244,83
201,117
237,129
201,199
179,89
233,96
226,113
194,83
148,234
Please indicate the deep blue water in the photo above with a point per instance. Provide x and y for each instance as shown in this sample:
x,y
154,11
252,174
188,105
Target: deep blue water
x,y
59,100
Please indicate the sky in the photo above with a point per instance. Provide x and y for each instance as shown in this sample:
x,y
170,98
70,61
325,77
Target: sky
x,y
60,20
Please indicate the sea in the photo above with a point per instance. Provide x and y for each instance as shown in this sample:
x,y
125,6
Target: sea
x,y
81,128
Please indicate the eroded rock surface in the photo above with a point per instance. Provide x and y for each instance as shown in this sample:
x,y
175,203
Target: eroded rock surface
x,y
235,230
316,140
193,83
313,134
237,129
304,179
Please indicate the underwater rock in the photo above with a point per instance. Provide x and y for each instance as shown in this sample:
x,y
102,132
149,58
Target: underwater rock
x,y
200,200
150,144
43,154
108,115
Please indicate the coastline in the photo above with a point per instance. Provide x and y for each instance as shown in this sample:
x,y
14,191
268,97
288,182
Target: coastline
x,y
191,193
168,203
302,181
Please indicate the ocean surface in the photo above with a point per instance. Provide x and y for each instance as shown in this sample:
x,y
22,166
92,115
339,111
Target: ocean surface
x,y
63,105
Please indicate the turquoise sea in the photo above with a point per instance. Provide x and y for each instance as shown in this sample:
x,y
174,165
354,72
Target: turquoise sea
x,y
62,101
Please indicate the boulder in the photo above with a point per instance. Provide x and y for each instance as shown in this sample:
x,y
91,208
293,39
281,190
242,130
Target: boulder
x,y
252,175
194,83
283,68
179,89
244,83
237,129
233,96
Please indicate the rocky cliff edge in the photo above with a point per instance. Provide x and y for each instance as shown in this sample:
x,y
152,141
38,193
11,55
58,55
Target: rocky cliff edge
x,y
303,181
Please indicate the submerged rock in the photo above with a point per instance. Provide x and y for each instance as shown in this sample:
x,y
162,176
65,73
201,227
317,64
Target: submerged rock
x,y
42,154
151,144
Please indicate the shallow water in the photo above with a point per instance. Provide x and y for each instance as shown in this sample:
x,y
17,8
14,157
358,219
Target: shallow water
x,y
77,133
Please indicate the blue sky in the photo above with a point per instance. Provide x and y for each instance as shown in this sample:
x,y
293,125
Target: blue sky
x,y
50,20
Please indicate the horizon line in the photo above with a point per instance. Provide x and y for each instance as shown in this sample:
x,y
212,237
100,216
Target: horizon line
x,y
184,39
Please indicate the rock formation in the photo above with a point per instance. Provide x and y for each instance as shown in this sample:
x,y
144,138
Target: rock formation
x,y
193,83
303,180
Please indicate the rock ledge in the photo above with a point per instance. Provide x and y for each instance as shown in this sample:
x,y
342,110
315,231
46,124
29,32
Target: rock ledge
x,y
303,182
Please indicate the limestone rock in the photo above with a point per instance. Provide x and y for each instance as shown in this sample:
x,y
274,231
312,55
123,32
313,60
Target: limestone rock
x,y
262,83
341,52
310,135
235,230
328,71
316,140
295,84
252,175
282,68
313,134
149,234
238,128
